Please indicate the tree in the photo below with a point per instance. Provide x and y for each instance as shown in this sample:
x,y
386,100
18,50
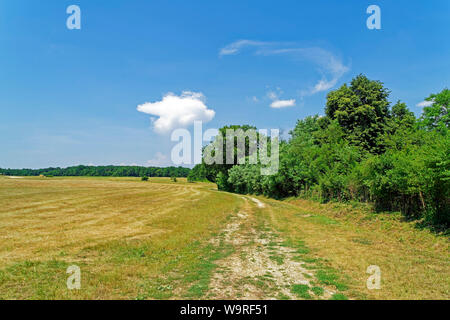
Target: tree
x,y
212,170
222,182
198,173
436,116
101,171
362,110
401,116
361,151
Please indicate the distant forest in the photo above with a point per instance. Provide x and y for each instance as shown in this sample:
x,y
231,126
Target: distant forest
x,y
101,171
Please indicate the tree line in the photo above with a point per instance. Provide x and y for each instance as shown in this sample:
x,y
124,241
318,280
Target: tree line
x,y
101,171
364,149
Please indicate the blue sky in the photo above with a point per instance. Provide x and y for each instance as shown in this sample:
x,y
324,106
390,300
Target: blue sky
x,y
70,97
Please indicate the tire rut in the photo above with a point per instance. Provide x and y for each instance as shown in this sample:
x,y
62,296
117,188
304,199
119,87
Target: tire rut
x,y
260,267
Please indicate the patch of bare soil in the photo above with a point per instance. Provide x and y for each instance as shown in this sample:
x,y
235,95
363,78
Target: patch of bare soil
x,y
259,267
259,203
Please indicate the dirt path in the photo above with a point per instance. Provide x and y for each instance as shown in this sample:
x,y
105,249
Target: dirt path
x,y
260,267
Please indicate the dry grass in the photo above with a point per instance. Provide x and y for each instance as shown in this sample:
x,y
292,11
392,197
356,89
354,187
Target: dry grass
x,y
123,233
155,240
415,264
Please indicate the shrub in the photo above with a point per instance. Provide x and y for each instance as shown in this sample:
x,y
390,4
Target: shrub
x,y
363,150
222,182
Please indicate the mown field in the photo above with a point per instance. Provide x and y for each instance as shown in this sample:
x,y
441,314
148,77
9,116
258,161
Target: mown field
x,y
177,240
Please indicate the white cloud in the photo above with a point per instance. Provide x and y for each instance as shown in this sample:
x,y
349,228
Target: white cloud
x,y
277,104
425,104
177,111
330,66
323,85
160,160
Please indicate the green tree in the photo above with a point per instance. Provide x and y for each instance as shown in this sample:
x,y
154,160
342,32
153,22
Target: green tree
x,y
212,170
362,110
198,173
401,116
222,182
102,171
436,116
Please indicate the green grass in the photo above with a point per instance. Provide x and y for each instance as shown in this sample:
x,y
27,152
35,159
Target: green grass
x,y
277,258
318,291
322,220
200,274
362,241
46,279
301,291
327,276
283,297
338,296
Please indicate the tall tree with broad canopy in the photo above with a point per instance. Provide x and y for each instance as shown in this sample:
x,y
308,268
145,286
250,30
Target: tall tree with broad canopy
x,y
362,110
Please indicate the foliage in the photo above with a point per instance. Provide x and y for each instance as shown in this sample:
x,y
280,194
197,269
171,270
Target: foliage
x,y
363,150
211,171
222,183
101,171
198,173
436,116
361,110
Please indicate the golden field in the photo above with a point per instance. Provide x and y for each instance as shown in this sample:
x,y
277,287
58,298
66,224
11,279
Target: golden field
x,y
177,240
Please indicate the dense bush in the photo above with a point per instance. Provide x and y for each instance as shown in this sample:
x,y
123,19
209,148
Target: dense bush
x,y
222,182
362,150
198,173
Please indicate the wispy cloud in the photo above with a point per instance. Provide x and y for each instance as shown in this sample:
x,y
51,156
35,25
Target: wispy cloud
x,y
329,65
235,47
160,160
177,111
272,95
424,104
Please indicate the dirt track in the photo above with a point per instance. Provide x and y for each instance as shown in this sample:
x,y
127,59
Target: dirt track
x,y
260,267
